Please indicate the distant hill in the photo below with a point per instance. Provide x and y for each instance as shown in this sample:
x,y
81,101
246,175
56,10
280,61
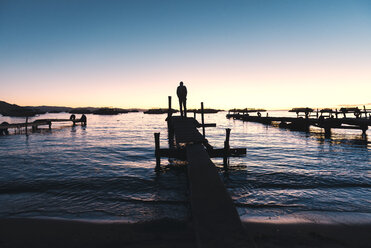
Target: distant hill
x,y
51,109
7,109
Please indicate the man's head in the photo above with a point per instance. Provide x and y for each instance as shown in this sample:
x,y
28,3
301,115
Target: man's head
x,y
181,83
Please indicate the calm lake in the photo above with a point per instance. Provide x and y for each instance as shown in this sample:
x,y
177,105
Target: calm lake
x,y
105,171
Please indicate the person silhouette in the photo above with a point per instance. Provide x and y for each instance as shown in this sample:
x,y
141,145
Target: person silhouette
x,y
181,91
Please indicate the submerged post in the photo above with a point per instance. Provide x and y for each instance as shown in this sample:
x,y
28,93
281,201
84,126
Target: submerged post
x,y
327,131
226,147
157,149
169,112
26,125
364,108
202,119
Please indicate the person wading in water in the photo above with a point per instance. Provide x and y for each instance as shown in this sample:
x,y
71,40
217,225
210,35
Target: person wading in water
x,y
181,91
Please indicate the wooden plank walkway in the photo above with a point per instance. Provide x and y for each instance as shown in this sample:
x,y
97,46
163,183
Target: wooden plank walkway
x,y
185,130
215,218
39,122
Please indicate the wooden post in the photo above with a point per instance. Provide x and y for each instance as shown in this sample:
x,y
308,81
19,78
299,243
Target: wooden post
x,y
364,108
26,125
364,129
50,125
327,130
157,149
317,114
169,112
202,119
336,113
226,147
194,114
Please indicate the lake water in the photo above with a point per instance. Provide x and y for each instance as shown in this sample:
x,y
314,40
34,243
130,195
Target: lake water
x,y
105,171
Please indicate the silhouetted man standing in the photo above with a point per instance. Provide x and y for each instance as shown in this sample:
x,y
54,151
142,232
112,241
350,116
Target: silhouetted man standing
x,y
181,91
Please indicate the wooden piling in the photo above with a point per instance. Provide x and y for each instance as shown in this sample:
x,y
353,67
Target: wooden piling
x,y
26,125
194,114
327,131
157,149
202,119
169,112
365,110
226,146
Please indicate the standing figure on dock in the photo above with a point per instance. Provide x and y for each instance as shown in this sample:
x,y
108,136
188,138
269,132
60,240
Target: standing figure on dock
x,y
181,91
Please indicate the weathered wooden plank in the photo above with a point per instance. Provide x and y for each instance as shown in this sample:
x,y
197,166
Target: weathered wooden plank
x,y
185,130
216,221
207,125
213,153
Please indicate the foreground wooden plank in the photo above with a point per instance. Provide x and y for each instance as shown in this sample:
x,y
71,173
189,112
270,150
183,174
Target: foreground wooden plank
x,y
216,221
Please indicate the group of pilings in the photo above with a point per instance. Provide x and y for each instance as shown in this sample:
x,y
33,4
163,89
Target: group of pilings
x,y
214,217
4,127
303,123
332,113
183,136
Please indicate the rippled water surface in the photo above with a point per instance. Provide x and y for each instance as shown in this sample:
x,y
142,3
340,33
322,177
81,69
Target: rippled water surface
x,y
106,170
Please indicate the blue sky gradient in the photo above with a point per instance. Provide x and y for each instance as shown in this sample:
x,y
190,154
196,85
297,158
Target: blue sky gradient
x,y
134,53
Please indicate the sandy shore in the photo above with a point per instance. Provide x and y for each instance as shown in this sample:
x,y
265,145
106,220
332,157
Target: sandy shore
x,y
171,233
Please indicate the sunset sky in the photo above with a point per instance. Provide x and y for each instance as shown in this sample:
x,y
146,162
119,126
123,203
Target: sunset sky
x,y
270,54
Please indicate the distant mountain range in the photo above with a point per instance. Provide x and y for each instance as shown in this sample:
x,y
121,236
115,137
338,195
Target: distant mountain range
x,y
7,109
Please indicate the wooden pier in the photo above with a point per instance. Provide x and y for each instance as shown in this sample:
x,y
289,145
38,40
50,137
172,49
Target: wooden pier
x,y
214,216
306,117
4,127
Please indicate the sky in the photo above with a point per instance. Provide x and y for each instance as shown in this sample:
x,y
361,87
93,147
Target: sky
x,y
230,54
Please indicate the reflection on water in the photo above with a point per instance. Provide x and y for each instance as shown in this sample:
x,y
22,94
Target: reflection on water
x,y
106,170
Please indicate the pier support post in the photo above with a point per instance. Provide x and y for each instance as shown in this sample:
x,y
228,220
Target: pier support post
x,y
364,129
327,131
50,125
365,111
194,114
157,150
169,112
26,125
226,147
83,120
202,119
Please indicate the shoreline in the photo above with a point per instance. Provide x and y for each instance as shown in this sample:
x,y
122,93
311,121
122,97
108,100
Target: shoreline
x,y
42,232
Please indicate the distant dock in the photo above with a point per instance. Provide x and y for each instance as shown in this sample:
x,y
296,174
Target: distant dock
x,y
4,127
215,218
327,119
